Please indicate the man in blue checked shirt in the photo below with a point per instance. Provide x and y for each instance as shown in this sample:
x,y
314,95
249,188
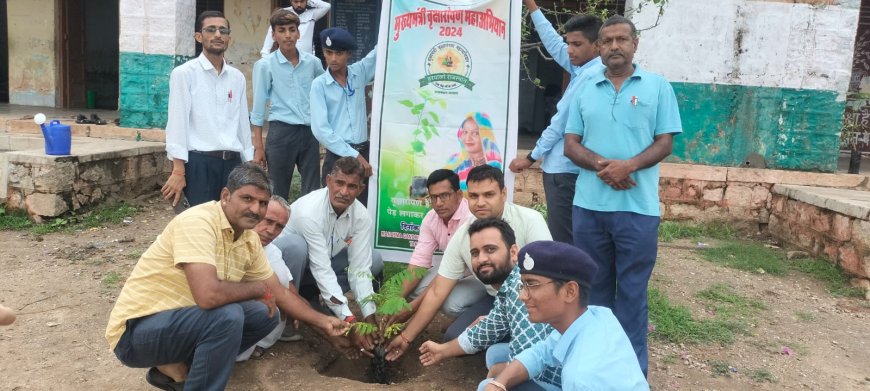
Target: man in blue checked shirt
x,y
494,256
576,56
338,104
284,78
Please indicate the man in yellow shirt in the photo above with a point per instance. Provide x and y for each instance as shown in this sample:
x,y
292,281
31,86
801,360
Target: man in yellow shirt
x,y
204,291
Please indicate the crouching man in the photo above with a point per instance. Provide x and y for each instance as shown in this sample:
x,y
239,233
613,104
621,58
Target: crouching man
x,y
589,343
204,291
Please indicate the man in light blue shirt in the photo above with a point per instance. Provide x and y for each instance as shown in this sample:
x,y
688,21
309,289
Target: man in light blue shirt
x,y
620,126
587,342
560,174
284,78
338,103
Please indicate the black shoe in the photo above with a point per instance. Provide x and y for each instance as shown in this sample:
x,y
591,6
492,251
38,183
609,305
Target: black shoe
x,y
95,119
157,379
81,119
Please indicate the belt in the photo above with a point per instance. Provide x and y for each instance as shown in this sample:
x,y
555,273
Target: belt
x,y
223,155
361,146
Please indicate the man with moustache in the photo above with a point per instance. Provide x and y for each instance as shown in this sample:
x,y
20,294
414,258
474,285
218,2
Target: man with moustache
x,y
207,132
309,12
203,292
577,53
494,257
487,197
620,127
336,246
587,341
284,79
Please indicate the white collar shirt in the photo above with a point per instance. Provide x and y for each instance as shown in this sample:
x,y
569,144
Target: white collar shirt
x,y
326,235
316,10
208,111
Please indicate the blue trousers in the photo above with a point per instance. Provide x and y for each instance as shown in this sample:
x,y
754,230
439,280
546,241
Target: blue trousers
x,y
207,340
559,191
624,245
206,176
500,353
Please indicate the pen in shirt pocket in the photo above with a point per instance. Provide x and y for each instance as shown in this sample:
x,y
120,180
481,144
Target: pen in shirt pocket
x,y
230,97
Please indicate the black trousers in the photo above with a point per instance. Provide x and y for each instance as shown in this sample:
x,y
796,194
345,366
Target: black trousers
x,y
206,176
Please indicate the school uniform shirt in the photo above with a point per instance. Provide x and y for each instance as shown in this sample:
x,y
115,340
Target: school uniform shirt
x,y
285,86
208,111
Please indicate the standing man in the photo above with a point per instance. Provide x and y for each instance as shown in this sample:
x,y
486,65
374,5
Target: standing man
x,y
338,103
587,342
309,12
284,78
337,245
560,174
487,197
494,256
449,211
620,126
208,132
204,291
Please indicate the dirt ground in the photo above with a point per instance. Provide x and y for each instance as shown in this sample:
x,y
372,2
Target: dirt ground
x,y
64,285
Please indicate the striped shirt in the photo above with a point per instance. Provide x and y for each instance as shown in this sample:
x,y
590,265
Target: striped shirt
x,y
201,234
509,318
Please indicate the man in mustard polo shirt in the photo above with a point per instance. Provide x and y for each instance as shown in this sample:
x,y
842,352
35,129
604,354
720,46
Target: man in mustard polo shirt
x,y
204,291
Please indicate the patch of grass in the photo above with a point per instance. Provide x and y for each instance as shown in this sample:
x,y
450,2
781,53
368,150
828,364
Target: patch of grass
x,y
734,312
670,359
109,213
541,208
836,281
111,280
295,187
134,255
673,230
675,324
761,375
751,257
720,368
804,316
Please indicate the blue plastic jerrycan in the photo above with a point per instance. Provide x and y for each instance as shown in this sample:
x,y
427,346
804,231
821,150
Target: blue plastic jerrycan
x,y
58,137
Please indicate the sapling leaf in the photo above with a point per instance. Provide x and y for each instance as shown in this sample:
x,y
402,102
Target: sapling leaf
x,y
434,117
406,103
417,146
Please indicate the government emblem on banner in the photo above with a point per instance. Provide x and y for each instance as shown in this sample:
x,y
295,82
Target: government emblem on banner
x,y
448,65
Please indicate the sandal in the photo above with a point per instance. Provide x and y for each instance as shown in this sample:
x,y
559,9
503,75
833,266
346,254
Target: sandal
x,y
157,379
81,119
95,119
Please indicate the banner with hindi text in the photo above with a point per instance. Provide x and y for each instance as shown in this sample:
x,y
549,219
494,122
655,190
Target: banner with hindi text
x,y
445,96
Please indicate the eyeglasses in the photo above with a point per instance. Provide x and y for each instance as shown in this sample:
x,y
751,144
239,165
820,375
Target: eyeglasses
x,y
525,286
212,30
442,197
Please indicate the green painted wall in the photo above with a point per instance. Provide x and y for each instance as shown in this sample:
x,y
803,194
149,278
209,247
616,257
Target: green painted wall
x,y
728,125
144,85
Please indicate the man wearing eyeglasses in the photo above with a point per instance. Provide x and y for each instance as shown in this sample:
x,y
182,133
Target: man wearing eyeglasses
x,y
587,341
494,258
487,197
449,211
207,132
338,103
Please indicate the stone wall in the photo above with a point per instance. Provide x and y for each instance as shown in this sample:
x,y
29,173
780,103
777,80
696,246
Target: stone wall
x,y
50,185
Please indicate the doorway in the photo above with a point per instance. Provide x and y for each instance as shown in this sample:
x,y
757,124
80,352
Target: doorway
x,y
88,54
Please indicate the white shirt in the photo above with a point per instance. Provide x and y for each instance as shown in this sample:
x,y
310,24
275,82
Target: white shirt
x,y
276,260
528,226
207,111
326,235
316,10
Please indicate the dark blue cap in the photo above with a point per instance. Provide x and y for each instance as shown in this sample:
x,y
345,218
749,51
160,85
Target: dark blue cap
x,y
557,260
337,38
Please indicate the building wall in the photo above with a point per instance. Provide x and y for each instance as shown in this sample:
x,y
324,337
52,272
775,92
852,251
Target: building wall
x,y
249,20
155,36
760,83
32,58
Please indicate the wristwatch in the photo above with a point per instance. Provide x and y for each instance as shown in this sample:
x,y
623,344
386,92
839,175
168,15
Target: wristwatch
x,y
530,158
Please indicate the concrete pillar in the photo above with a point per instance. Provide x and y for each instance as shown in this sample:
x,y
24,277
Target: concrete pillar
x,y
156,36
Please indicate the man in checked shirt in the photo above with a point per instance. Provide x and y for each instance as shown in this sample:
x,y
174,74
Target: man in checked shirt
x,y
494,259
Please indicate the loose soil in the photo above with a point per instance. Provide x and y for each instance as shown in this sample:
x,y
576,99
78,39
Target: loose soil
x,y
63,286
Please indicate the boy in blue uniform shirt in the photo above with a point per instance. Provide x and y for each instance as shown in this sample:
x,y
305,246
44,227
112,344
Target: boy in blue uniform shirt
x,y
338,104
589,344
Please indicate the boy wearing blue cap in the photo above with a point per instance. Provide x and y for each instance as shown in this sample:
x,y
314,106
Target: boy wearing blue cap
x,y
338,104
588,342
